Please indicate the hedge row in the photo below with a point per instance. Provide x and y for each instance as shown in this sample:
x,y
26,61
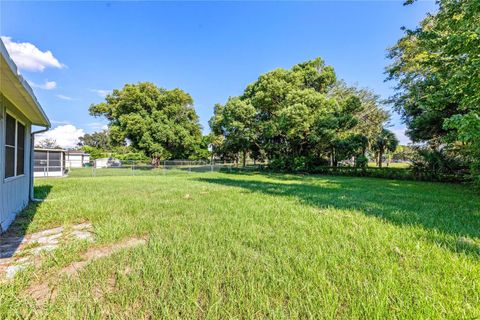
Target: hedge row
x,y
385,173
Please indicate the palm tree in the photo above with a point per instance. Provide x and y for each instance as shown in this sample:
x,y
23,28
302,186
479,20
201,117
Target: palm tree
x,y
385,141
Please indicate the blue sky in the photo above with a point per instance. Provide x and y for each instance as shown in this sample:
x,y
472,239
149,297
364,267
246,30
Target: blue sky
x,y
210,49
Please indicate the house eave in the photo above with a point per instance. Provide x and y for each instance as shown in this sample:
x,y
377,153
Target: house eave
x,y
16,89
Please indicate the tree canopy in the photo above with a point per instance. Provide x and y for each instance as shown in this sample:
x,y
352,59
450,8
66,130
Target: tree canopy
x,y
99,140
162,123
47,143
299,117
437,69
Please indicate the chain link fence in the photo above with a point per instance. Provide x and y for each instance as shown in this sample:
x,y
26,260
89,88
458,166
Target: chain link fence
x,y
114,167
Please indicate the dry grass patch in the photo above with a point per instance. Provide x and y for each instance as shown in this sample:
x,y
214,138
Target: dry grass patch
x,y
47,289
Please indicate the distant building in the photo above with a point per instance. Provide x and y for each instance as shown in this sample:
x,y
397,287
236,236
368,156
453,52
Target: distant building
x,y
107,163
76,159
19,110
49,163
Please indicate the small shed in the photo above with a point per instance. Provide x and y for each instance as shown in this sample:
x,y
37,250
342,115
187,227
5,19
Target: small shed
x,y
49,163
100,163
107,163
76,159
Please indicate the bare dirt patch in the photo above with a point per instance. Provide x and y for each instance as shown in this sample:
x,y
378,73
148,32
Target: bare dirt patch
x,y
100,252
47,289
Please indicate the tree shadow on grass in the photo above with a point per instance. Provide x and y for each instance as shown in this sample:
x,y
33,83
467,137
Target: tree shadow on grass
x,y
453,214
12,238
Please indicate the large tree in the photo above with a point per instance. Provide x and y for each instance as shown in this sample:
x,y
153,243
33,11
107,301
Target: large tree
x,y
289,104
299,117
437,68
99,140
161,123
370,117
47,143
236,122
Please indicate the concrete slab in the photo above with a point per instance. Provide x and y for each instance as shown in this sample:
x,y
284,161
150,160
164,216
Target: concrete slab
x,y
17,253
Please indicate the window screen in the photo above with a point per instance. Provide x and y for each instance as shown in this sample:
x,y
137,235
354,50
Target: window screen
x,y
10,124
55,161
9,162
10,131
20,149
40,157
40,161
14,147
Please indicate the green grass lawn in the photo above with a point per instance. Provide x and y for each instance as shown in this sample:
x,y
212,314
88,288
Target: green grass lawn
x,y
391,165
246,246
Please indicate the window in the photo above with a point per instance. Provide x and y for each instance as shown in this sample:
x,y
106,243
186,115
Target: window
x,y
14,147
20,149
55,161
11,124
40,161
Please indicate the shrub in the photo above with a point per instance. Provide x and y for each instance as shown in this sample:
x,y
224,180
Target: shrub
x,y
439,165
361,161
384,173
138,156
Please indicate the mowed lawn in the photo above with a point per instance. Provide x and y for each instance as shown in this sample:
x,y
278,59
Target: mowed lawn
x,y
249,246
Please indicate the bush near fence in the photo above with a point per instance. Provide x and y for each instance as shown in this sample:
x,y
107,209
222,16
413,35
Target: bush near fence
x,y
384,173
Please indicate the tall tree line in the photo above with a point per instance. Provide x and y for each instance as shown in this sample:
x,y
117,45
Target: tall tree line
x,y
305,116
299,118
437,70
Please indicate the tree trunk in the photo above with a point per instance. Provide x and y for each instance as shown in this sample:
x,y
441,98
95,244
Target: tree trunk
x,y
155,161
244,158
380,158
334,158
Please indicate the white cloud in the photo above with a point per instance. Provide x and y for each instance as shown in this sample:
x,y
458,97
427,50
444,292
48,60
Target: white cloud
x,y
101,93
47,85
97,126
28,57
62,97
66,136
60,122
401,136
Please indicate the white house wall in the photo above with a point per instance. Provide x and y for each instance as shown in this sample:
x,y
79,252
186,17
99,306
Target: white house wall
x,y
74,160
14,192
48,174
3,216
